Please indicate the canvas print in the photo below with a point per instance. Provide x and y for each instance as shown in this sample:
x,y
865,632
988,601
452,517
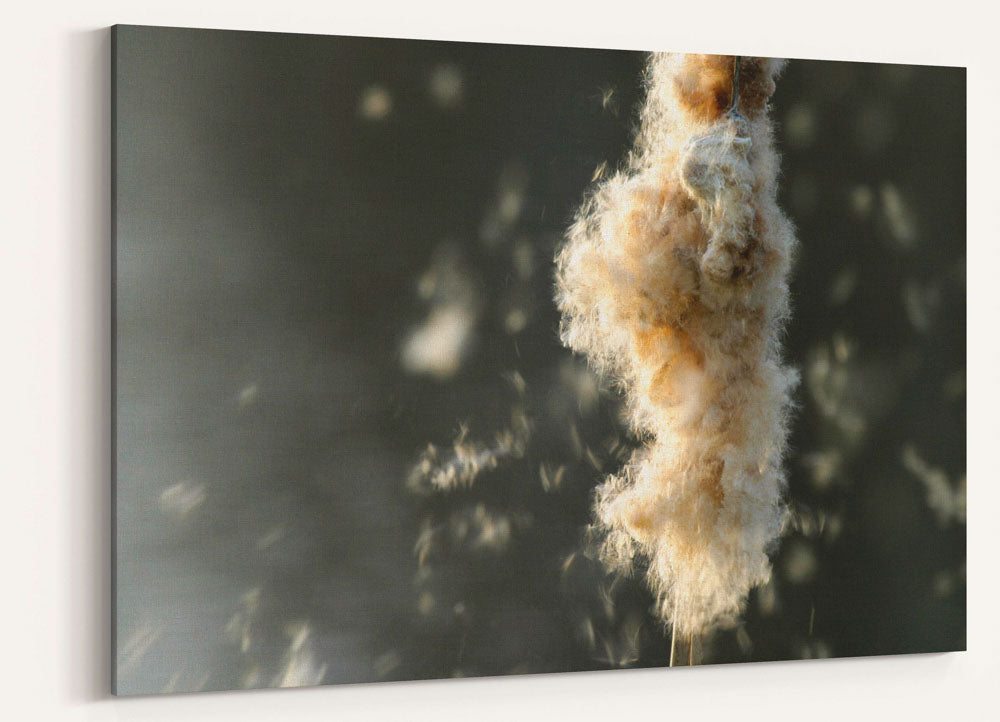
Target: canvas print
x,y
443,359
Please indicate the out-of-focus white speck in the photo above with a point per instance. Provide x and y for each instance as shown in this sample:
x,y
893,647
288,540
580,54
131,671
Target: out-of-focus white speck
x,y
251,677
511,200
800,125
238,627
272,536
922,302
515,321
506,210
375,104
842,287
436,347
523,256
874,127
824,467
136,645
898,215
179,500
834,525
953,387
300,666
578,381
799,563
944,584
743,639
767,599
247,396
446,85
947,501
843,347
172,684
425,603
862,201
815,649
386,663
551,478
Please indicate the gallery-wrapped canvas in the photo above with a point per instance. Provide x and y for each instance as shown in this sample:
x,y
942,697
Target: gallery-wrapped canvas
x,y
442,359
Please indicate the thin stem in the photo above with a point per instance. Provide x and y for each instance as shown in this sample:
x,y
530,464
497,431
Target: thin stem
x,y
673,633
737,62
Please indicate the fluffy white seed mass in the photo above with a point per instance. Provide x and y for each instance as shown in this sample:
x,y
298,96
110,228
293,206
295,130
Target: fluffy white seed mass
x,y
673,282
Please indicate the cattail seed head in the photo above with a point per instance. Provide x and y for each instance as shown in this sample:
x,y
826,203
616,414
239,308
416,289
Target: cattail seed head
x,y
673,281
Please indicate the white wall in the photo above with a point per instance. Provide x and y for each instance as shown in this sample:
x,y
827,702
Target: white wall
x,y
55,378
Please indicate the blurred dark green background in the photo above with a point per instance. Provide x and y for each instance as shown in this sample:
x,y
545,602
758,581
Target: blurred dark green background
x,y
332,252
